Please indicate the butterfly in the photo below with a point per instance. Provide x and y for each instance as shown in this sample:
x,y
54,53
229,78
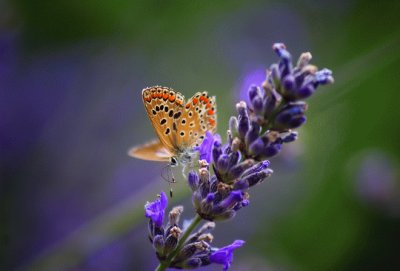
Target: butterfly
x,y
180,126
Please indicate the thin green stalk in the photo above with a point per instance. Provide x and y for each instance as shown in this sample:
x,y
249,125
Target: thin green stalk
x,y
161,267
164,264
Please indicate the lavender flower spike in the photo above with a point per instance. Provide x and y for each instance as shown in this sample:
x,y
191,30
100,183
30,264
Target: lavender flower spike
x,y
225,255
155,210
228,172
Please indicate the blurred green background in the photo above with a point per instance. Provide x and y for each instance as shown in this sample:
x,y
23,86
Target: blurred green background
x,y
71,73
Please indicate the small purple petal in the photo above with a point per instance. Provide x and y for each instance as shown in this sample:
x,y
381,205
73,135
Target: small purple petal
x,y
225,255
272,150
216,151
252,134
291,116
155,210
257,146
289,83
305,91
289,138
243,119
193,180
210,197
257,103
324,76
256,168
206,146
297,122
257,177
234,158
254,91
223,163
234,197
241,185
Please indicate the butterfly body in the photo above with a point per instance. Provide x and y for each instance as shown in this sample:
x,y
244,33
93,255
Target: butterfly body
x,y
180,126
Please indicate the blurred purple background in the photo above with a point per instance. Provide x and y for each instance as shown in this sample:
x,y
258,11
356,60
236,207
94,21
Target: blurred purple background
x,y
71,75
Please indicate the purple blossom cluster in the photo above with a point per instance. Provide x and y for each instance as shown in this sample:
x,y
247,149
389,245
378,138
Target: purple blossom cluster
x,y
221,185
180,251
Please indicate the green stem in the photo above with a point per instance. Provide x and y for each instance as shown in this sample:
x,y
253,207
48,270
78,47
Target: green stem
x,y
163,265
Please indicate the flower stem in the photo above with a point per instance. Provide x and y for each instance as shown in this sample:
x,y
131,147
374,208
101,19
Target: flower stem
x,y
163,265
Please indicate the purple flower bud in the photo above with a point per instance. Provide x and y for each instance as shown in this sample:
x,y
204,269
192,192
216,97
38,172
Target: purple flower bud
x,y
204,186
171,240
224,255
270,102
210,197
257,177
234,197
297,122
158,243
289,84
241,204
253,133
276,76
290,137
196,199
240,185
305,75
253,92
154,230
234,158
272,150
305,91
193,180
257,103
285,65
217,151
291,116
223,163
237,170
206,208
206,146
155,210
245,202
257,147
243,119
279,48
324,77
256,168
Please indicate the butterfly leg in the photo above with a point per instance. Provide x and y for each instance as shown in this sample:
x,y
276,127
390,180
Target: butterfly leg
x,y
167,174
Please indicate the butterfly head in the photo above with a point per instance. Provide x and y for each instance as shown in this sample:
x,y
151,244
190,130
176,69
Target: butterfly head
x,y
173,161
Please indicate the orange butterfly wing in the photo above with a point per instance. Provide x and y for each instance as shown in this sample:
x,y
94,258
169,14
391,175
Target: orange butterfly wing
x,y
152,151
178,125
164,106
198,117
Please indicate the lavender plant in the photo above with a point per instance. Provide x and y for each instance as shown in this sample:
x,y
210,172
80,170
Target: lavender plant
x,y
221,185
